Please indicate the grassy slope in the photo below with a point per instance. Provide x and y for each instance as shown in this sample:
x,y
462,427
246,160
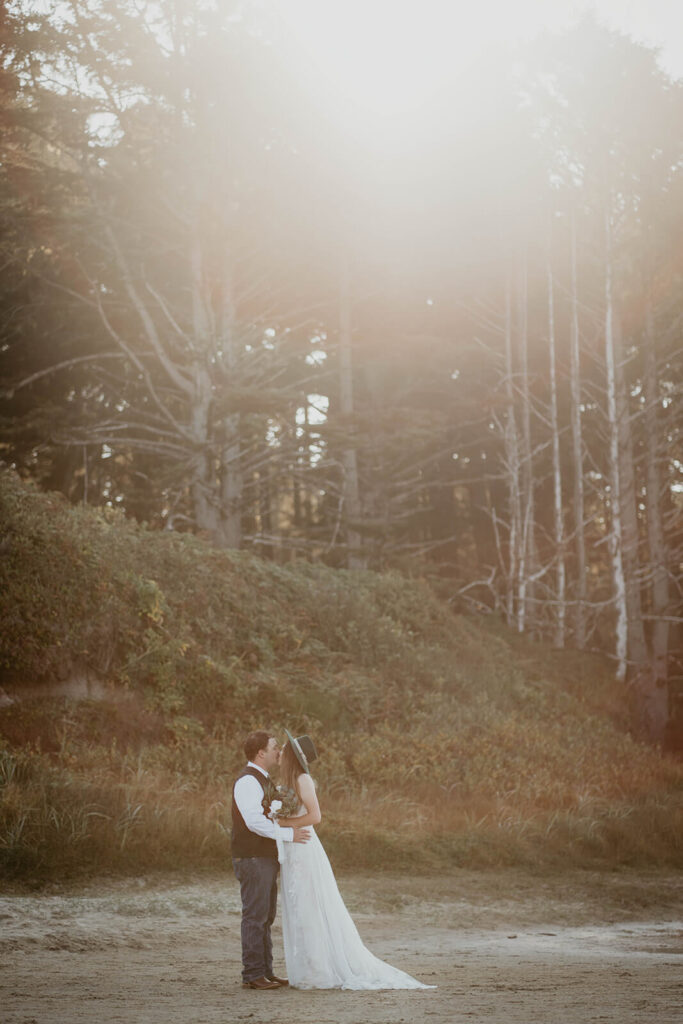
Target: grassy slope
x,y
443,739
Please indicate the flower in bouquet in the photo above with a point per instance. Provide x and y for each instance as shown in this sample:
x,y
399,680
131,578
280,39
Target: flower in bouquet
x,y
287,804
275,806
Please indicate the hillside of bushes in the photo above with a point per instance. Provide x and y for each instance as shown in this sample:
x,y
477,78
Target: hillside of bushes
x,y
443,739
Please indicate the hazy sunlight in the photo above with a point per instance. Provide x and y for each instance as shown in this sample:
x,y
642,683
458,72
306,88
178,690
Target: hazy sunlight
x,y
390,56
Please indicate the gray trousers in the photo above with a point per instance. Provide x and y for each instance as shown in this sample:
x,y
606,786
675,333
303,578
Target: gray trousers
x,y
258,886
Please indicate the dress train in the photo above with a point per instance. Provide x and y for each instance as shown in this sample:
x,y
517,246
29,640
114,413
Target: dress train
x,y
322,946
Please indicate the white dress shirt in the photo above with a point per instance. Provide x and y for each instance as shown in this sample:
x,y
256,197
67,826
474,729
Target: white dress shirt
x,y
249,797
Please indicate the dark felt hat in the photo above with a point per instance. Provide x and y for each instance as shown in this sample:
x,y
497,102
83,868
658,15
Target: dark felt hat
x,y
304,748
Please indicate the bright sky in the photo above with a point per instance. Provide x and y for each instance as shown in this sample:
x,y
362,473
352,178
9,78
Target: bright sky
x,y
658,23
388,54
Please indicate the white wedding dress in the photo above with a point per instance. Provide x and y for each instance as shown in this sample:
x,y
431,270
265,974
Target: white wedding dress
x,y
322,946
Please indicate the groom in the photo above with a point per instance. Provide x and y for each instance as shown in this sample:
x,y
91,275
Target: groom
x,y
254,858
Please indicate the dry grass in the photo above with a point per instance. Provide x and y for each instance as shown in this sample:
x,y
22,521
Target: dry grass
x,y
60,820
443,740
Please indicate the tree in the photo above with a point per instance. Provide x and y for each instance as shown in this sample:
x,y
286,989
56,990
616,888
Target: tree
x,y
165,220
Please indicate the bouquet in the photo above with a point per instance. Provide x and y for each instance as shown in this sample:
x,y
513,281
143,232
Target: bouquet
x,y
284,808
286,805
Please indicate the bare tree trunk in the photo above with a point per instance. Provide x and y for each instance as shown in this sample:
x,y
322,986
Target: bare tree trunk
x,y
203,485
637,647
355,559
265,507
85,474
301,502
656,692
231,473
560,597
232,484
306,507
204,480
527,559
577,447
297,517
513,604
615,535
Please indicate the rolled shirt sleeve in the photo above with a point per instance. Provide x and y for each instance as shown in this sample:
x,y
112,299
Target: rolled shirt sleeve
x,y
249,797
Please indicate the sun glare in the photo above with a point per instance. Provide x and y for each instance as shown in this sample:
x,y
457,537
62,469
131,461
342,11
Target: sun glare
x,y
391,56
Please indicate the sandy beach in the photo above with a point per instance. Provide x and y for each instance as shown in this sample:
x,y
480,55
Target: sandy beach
x,y
501,946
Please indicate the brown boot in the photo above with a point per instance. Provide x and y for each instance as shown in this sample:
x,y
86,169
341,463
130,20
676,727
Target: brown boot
x,y
263,983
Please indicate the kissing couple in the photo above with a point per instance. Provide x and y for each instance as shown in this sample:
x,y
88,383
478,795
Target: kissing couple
x,y
322,946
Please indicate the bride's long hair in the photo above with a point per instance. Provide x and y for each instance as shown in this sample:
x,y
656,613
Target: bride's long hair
x,y
290,769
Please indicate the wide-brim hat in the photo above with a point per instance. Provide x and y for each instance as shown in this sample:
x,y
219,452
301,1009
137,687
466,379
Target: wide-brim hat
x,y
304,748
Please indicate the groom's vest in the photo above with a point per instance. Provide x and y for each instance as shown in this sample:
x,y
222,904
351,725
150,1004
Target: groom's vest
x,y
244,842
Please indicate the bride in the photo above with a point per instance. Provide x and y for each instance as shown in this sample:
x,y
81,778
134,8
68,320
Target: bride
x,y
322,946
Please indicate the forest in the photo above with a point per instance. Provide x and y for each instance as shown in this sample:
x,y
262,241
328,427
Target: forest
x,y
445,342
